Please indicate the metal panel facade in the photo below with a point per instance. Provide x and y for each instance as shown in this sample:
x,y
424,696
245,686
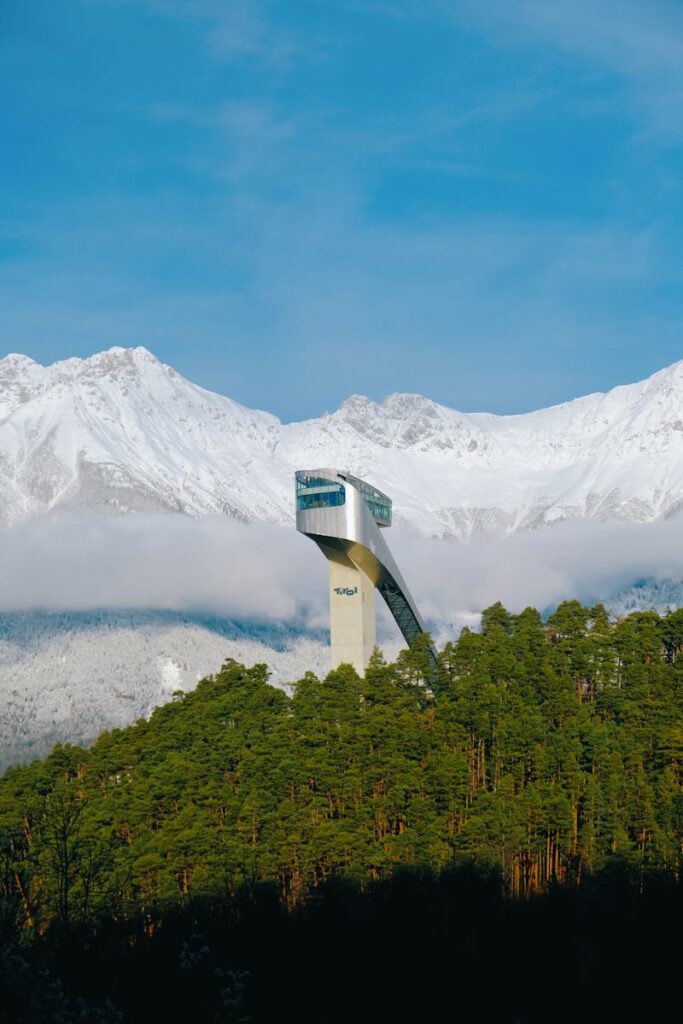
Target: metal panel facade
x,y
346,531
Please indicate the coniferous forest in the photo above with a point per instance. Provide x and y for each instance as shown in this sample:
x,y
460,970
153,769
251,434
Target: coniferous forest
x,y
501,842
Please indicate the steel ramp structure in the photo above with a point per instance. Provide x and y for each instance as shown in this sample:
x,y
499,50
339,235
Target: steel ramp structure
x,y
344,515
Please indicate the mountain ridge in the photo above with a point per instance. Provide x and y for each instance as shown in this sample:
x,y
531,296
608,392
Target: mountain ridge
x,y
120,431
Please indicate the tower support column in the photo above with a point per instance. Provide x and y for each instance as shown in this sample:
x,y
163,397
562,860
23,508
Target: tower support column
x,y
352,616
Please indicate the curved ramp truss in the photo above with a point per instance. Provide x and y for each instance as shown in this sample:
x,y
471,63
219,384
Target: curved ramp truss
x,y
344,516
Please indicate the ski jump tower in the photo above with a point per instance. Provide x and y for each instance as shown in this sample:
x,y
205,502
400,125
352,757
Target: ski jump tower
x,y
344,516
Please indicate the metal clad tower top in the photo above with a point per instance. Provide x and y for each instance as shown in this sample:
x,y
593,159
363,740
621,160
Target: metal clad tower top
x,y
344,516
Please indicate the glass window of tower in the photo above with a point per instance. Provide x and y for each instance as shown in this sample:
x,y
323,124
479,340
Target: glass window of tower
x,y
317,492
378,503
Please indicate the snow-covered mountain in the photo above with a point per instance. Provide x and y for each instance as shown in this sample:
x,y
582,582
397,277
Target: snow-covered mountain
x,y
67,676
658,595
120,431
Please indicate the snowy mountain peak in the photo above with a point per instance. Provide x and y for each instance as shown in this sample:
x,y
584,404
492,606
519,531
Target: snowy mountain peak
x,y
121,431
23,378
15,360
408,421
20,376
670,374
115,363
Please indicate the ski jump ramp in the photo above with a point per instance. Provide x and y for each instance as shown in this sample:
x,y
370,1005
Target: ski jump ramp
x,y
345,516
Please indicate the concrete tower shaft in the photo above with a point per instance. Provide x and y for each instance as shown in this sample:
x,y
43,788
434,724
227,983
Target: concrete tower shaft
x,y
344,516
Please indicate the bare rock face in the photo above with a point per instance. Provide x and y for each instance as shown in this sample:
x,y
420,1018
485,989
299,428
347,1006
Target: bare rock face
x,y
121,432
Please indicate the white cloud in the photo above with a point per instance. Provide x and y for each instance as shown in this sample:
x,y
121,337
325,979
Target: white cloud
x,y
632,36
156,561
236,29
586,560
264,572
639,40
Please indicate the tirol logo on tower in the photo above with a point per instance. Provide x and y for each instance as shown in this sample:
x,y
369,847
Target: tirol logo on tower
x,y
344,516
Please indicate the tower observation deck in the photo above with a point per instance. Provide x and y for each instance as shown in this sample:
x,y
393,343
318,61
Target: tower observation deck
x,y
344,516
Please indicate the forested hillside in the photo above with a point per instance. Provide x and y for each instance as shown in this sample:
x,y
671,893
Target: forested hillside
x,y
545,749
545,756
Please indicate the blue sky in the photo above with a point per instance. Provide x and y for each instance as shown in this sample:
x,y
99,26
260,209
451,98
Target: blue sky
x,y
294,201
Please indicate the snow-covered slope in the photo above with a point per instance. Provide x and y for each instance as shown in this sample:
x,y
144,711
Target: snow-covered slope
x,y
120,431
659,595
69,676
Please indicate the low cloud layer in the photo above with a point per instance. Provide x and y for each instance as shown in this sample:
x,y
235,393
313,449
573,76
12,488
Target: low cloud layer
x,y
211,565
586,560
220,567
